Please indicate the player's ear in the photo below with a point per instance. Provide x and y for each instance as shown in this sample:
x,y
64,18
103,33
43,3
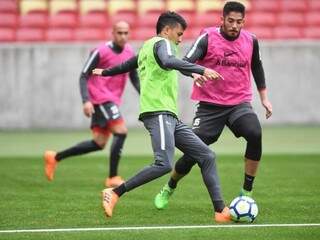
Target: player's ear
x,y
222,19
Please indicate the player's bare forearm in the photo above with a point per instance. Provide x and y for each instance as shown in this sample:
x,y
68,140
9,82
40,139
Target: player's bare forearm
x,y
265,102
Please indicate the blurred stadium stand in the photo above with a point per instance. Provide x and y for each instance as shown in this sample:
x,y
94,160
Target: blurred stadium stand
x,y
89,20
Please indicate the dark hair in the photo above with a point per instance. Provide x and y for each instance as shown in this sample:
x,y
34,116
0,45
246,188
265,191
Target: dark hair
x,y
233,7
170,19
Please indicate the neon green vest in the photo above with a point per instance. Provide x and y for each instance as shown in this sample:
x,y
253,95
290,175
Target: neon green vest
x,y
158,87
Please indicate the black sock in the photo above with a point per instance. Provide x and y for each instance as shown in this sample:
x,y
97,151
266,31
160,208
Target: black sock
x,y
248,182
115,153
120,190
172,183
80,148
218,206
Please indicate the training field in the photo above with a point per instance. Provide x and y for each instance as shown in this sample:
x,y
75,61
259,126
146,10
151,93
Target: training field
x,y
287,190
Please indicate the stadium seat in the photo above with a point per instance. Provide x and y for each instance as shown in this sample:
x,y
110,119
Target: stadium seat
x,y
63,19
262,32
192,33
265,6
129,17
293,5
8,20
57,6
7,35
313,19
30,34
189,16
287,33
314,5
9,6
27,6
209,6
147,6
208,19
59,34
149,19
89,34
264,19
291,19
87,6
94,19
34,19
312,32
181,5
143,33
116,6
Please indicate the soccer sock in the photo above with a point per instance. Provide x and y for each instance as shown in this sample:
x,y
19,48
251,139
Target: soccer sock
x,y
248,182
115,153
80,148
218,206
120,190
172,183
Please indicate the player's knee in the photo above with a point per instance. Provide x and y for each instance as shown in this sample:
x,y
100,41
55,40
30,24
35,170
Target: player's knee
x,y
184,165
254,134
206,138
163,166
100,143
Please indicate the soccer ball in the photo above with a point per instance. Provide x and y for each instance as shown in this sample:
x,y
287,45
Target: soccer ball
x,y
243,209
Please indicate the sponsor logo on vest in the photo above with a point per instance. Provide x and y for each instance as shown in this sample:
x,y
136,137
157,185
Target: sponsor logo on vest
x,y
223,61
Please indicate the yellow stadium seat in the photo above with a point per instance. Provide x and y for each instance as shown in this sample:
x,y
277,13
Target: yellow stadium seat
x,y
180,5
92,5
115,6
209,5
34,5
145,6
62,5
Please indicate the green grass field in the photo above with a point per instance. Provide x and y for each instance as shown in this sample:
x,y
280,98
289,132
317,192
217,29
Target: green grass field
x,y
287,189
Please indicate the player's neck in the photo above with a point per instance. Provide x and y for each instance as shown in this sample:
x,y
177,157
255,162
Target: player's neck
x,y
116,48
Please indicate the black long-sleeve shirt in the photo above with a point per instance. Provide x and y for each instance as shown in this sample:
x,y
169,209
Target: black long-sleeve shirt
x,y
199,50
164,56
92,63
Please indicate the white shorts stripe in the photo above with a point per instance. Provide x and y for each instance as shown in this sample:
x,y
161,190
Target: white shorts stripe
x,y
162,136
104,112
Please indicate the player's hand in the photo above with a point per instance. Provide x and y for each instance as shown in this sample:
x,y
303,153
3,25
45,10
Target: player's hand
x,y
97,71
88,109
268,106
198,79
211,74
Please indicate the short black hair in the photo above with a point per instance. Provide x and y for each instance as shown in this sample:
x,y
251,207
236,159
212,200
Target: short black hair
x,y
170,19
233,6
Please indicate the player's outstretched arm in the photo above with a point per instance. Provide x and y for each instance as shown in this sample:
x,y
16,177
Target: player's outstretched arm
x,y
124,67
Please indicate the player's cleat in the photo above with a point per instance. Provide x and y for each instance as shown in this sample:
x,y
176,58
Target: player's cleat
x,y
162,199
113,182
223,217
109,200
50,164
245,193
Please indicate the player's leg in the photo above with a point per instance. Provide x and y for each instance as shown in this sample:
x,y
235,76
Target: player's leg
x,y
248,127
161,129
193,146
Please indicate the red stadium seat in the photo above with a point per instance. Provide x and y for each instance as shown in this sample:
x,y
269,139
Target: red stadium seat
x,y
287,33
128,16
293,5
34,19
94,19
30,34
291,19
192,33
63,19
264,19
313,19
314,5
148,19
59,34
207,19
7,35
9,6
143,33
262,32
312,32
189,16
8,20
265,6
89,34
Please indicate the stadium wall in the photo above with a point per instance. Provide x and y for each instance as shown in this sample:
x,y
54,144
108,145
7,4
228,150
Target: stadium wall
x,y
40,89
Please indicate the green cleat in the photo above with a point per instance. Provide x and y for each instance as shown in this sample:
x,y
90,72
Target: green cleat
x,y
245,193
162,198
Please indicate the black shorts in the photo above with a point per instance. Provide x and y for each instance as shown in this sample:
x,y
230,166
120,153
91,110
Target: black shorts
x,y
104,114
210,119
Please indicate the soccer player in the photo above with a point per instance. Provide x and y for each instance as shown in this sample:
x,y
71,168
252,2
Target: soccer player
x,y
156,62
234,53
101,97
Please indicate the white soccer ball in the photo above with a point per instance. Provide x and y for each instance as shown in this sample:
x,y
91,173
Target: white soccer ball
x,y
243,209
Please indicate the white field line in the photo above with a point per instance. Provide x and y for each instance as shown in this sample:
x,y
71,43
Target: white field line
x,y
159,228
